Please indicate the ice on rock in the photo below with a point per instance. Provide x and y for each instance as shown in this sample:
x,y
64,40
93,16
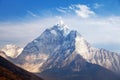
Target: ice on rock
x,y
61,26
54,32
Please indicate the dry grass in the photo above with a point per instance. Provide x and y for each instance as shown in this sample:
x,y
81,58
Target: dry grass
x,y
8,75
9,71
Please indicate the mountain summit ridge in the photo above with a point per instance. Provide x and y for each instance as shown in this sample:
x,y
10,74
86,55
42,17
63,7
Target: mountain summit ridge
x,y
58,45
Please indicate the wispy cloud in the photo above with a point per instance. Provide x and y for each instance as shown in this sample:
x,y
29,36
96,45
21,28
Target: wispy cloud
x,y
81,10
97,5
31,13
61,10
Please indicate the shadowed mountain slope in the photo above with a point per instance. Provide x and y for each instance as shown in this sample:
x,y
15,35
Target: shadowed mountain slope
x,y
9,71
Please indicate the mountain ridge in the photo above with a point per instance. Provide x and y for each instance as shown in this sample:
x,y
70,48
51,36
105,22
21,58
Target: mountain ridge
x,y
59,36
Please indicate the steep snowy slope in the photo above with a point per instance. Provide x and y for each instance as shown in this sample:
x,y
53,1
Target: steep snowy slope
x,y
39,50
105,58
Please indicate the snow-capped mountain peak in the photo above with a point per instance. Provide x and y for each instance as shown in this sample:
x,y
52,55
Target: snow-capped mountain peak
x,y
12,50
62,27
61,22
59,46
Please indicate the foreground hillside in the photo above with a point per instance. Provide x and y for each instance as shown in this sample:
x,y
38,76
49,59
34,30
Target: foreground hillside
x,y
8,71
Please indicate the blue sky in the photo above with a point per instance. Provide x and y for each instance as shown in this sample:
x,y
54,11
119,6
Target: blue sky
x,y
19,8
97,20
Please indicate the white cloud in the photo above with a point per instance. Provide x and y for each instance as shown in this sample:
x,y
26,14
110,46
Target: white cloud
x,y
31,13
96,5
61,10
84,11
81,10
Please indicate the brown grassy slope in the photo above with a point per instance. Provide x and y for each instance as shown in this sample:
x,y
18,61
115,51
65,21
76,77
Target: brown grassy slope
x,y
9,71
8,75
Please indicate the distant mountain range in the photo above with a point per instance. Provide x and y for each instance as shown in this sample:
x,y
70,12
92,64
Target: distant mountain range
x,y
12,50
63,54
